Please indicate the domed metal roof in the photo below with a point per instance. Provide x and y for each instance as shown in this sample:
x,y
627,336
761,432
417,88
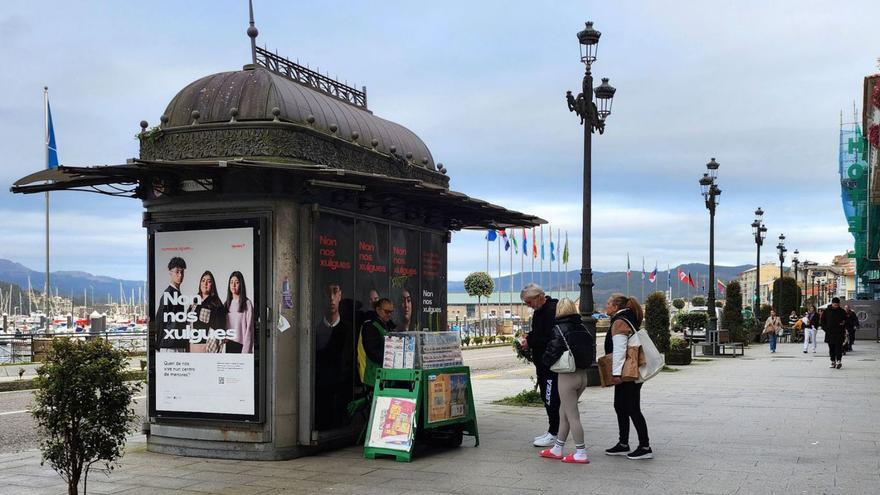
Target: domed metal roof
x,y
256,94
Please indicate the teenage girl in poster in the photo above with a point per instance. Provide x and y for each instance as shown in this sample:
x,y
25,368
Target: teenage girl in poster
x,y
239,316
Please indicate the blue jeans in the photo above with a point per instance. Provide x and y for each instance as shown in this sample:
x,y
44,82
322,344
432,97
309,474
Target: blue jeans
x,y
772,340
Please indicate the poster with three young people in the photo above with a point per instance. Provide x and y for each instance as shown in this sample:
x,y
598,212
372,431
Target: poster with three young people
x,y
204,321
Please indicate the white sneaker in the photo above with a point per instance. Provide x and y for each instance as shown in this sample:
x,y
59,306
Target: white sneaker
x,y
547,440
541,436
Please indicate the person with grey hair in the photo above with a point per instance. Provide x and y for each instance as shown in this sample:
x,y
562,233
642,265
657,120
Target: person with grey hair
x,y
541,333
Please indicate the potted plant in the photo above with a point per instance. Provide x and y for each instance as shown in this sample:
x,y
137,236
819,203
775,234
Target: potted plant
x,y
679,353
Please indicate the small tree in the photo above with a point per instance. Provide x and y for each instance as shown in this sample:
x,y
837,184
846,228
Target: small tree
x,y
786,296
678,304
479,284
732,318
82,407
698,301
657,320
719,304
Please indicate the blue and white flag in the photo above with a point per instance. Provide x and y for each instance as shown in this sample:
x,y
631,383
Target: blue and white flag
x,y
51,148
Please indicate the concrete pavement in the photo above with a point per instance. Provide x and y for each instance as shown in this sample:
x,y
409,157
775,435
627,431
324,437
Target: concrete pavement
x,y
763,423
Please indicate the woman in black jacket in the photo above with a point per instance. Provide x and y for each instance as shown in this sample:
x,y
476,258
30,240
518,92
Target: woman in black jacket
x,y
569,334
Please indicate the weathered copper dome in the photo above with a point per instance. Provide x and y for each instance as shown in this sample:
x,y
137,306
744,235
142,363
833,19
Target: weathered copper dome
x,y
256,95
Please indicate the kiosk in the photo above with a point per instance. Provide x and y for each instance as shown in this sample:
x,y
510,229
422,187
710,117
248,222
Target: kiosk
x,y
277,208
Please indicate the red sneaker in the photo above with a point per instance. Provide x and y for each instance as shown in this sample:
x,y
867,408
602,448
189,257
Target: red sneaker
x,y
548,454
570,459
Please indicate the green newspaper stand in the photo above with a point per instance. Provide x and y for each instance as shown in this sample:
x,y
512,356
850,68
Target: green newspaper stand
x,y
420,405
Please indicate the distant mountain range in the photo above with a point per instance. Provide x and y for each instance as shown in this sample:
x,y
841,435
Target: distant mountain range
x,y
68,283
607,283
103,288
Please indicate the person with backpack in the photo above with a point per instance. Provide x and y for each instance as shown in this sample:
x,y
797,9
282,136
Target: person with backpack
x,y
626,317
570,335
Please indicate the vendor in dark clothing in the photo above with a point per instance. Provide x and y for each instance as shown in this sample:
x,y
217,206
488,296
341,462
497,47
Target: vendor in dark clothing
x,y
833,321
543,321
371,344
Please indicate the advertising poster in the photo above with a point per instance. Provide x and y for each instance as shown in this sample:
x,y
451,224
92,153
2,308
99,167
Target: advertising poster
x,y
405,261
333,316
372,275
392,423
433,286
204,322
447,397
868,313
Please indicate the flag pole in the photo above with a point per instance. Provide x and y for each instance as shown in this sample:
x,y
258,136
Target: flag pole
x,y
550,275
46,121
542,256
627,274
532,254
558,260
500,311
510,295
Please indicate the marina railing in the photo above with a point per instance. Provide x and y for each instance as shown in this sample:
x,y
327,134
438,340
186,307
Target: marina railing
x,y
27,348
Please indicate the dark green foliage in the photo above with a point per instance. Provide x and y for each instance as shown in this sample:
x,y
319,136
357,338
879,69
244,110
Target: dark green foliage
x,y
678,303
531,398
732,318
698,301
786,296
657,320
719,304
479,284
693,321
82,408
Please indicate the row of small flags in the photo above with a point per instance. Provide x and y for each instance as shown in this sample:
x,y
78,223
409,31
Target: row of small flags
x,y
683,277
509,241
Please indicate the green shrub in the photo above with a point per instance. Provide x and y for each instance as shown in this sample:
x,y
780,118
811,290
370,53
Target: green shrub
x,y
786,296
693,321
678,304
698,301
465,341
530,398
677,343
732,319
657,320
83,409
478,340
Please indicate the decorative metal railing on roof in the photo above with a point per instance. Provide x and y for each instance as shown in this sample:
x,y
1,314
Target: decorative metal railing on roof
x,y
310,78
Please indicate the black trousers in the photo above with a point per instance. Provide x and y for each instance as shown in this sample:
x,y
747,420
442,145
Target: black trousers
x,y
627,405
835,351
550,395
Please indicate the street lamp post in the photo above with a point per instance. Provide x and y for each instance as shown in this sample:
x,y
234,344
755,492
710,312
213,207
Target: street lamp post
x,y
593,115
711,192
794,263
760,231
813,289
780,248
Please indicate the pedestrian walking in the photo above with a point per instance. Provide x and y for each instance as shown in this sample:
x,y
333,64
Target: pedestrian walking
x,y
833,322
571,335
772,327
543,321
852,323
811,328
626,317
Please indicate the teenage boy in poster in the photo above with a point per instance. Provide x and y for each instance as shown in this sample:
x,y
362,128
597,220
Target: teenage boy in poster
x,y
334,358
164,319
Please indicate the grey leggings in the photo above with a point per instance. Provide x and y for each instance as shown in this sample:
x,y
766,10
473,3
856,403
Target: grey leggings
x,y
571,386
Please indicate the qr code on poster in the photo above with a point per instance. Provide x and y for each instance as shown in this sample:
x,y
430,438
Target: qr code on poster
x,y
221,380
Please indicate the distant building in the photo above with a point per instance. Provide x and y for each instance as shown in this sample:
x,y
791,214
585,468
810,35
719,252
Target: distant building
x,y
769,274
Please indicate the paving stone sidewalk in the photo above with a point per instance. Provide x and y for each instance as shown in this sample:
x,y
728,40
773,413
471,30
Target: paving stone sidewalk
x,y
763,423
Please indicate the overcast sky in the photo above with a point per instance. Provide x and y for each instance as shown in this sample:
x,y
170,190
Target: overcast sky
x,y
758,85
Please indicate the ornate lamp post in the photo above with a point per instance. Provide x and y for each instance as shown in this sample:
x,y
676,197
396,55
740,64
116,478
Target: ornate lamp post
x,y
593,115
711,192
760,231
780,248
